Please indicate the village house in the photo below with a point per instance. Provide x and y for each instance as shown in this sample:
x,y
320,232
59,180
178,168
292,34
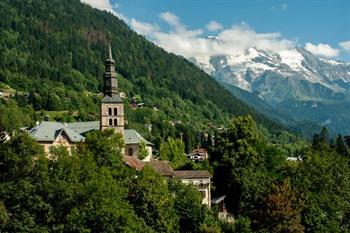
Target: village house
x,y
198,178
198,154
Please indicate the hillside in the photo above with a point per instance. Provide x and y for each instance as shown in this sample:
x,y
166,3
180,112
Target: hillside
x,y
53,52
284,116
293,82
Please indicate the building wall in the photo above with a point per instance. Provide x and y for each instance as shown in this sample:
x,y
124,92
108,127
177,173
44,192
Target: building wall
x,y
106,116
203,186
61,140
135,151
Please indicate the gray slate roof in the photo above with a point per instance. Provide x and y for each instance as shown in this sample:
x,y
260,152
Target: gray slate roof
x,y
133,137
84,127
48,131
114,98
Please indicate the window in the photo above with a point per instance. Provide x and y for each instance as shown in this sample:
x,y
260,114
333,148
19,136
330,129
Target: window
x,y
115,111
110,111
130,151
110,122
115,122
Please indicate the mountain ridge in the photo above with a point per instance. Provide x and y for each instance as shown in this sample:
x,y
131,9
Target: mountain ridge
x,y
279,78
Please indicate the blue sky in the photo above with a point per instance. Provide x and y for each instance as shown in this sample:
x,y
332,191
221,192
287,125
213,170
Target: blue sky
x,y
322,26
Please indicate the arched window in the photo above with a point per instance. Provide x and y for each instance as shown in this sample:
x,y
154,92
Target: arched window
x,y
115,122
110,111
110,122
130,151
115,111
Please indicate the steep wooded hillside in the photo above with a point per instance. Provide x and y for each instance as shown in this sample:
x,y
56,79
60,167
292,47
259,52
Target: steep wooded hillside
x,y
52,55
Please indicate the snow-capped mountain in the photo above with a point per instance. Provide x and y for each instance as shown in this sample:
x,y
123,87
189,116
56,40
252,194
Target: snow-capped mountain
x,y
289,80
291,74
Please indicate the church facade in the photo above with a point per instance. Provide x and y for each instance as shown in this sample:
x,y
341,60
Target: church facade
x,y
54,134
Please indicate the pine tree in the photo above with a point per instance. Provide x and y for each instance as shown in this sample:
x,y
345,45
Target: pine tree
x,y
341,147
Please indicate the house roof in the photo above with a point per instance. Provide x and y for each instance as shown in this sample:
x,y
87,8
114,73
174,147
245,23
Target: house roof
x,y
199,150
114,98
192,174
48,131
161,167
133,162
131,136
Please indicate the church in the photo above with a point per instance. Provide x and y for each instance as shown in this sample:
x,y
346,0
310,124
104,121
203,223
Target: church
x,y
53,134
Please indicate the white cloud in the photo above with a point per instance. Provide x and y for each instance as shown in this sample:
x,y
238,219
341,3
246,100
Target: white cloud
x,y
234,40
345,45
323,50
143,28
214,26
172,20
100,4
106,5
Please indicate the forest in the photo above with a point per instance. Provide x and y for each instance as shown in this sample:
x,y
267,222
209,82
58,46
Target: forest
x,y
52,54
92,190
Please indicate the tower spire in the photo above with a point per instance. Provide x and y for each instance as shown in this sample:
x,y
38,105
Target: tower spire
x,y
110,50
110,77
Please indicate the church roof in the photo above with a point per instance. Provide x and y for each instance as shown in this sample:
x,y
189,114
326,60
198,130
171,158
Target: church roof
x,y
48,131
84,127
131,136
114,98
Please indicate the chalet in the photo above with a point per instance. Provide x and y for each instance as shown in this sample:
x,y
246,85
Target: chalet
x,y
200,179
198,154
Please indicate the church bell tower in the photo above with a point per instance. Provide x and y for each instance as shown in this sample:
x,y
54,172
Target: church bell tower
x,y
112,106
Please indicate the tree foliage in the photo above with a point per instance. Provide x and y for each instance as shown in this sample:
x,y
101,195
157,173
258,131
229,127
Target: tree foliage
x,y
173,150
90,190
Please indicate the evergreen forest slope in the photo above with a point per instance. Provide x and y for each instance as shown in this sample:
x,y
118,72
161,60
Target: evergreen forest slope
x,y
52,56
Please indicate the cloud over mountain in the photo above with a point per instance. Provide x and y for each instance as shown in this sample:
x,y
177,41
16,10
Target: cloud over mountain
x,y
233,40
214,26
345,45
323,50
